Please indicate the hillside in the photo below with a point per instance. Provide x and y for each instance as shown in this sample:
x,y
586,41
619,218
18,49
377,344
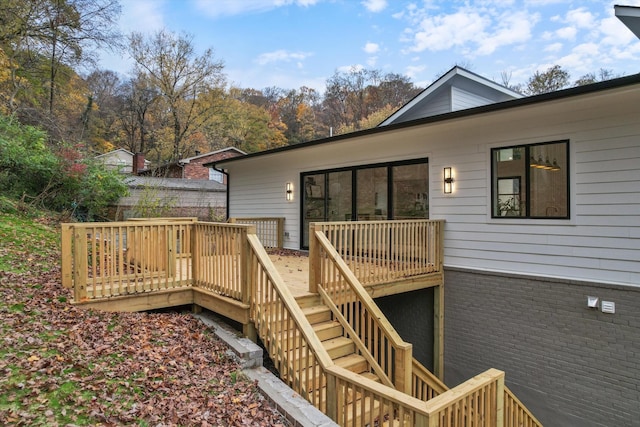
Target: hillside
x,y
60,365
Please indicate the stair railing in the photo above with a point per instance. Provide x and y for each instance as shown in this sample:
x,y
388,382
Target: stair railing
x,y
366,319
424,384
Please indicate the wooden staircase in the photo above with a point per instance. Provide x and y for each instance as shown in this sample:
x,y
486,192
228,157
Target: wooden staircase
x,y
343,352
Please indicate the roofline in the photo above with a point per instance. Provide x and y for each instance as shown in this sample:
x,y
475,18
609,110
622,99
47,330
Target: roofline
x,y
456,70
188,159
629,16
499,106
113,151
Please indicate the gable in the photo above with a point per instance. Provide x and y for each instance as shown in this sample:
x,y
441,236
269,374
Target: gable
x,y
457,90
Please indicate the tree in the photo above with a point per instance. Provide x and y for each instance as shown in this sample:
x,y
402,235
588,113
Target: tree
x,y
602,75
43,41
181,77
551,80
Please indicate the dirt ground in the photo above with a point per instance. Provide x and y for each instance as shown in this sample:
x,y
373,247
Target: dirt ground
x,y
293,266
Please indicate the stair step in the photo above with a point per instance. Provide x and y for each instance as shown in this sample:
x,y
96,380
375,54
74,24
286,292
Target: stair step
x,y
354,363
365,413
309,300
339,347
328,330
317,314
371,376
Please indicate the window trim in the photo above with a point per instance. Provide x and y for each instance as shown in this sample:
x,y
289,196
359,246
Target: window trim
x,y
527,176
354,169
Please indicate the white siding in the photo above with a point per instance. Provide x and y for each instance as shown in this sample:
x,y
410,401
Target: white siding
x,y
461,99
601,241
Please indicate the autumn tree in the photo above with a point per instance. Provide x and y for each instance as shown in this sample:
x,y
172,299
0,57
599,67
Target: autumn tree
x,y
44,40
551,80
353,96
181,76
602,75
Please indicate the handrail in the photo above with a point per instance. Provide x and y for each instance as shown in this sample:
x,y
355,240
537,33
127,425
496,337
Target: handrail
x,y
366,319
424,384
364,352
478,402
284,329
515,413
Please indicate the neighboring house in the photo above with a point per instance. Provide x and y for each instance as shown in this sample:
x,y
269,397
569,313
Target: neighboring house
x,y
121,160
192,167
541,197
173,197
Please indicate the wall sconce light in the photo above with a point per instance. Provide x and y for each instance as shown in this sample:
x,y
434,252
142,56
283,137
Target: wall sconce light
x,y
448,180
289,193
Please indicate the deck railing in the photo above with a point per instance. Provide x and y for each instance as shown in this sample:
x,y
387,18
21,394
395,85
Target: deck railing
x,y
384,251
110,259
104,260
270,230
365,318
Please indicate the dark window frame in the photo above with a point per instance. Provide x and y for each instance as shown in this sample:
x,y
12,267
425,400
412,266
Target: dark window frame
x,y
354,169
527,181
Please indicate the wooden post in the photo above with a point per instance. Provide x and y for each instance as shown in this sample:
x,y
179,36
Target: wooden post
x,y
438,330
403,365
500,401
67,256
421,421
314,260
81,265
332,397
280,233
247,281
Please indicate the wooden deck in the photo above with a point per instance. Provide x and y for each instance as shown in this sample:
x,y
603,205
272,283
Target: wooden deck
x,y
314,313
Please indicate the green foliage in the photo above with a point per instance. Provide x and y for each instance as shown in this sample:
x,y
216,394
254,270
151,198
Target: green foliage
x,y
60,180
151,205
26,163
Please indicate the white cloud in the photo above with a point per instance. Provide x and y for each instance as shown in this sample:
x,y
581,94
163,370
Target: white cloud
x,y
371,48
143,16
349,68
372,61
443,32
567,33
375,5
281,56
476,31
581,18
512,28
216,8
554,47
414,70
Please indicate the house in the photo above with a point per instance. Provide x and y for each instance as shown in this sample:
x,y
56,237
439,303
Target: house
x,y
172,197
193,167
121,160
541,198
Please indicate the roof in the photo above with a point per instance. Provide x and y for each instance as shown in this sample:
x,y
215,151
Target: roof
x,y
457,77
175,183
189,159
630,16
115,151
476,111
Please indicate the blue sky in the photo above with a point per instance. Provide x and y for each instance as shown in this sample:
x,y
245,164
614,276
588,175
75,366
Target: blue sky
x,y
294,43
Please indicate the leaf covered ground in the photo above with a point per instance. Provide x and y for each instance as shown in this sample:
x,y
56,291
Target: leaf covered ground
x,y
60,365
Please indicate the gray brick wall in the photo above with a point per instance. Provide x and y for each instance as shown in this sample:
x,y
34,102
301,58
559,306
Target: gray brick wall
x,y
571,365
411,314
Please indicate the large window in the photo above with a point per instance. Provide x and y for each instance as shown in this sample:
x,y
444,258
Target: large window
x,y
531,181
372,192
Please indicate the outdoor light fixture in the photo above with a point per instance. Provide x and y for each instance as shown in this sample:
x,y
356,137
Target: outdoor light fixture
x,y
289,192
448,181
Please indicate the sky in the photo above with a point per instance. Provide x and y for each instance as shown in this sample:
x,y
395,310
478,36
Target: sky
x,y
295,43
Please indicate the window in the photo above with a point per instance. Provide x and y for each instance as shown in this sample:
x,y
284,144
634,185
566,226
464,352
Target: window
x,y
397,190
531,181
215,175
